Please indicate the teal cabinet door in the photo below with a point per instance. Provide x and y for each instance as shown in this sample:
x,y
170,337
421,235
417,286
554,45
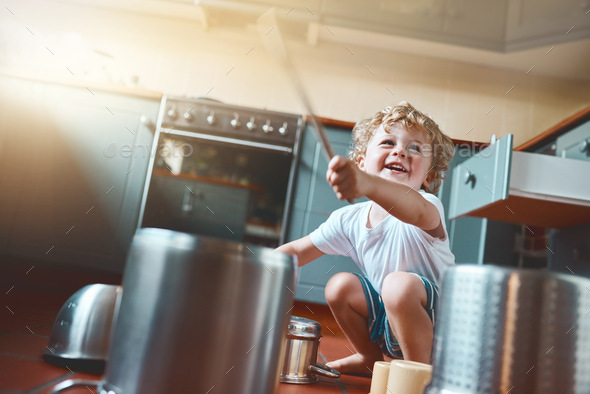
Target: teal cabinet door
x,y
482,179
313,203
466,234
77,160
474,240
575,144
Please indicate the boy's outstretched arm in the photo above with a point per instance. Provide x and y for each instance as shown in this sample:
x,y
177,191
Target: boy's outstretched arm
x,y
399,200
303,249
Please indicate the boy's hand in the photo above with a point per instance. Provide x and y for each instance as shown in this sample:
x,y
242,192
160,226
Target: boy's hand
x,y
346,178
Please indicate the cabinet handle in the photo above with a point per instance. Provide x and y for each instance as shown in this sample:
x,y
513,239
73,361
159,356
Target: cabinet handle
x,y
585,146
470,177
147,123
580,254
189,199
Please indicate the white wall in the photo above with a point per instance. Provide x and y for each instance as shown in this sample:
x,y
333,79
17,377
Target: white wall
x,y
74,43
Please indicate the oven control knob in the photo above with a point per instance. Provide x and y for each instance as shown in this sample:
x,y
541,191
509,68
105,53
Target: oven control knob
x,y
283,128
251,125
188,116
235,122
172,114
267,128
211,119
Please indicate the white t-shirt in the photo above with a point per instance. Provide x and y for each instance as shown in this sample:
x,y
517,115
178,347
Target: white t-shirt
x,y
390,246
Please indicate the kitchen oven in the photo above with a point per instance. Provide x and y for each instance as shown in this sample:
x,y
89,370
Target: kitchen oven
x,y
221,170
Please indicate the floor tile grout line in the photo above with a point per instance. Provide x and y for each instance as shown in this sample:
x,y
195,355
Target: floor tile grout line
x,y
19,331
40,358
25,332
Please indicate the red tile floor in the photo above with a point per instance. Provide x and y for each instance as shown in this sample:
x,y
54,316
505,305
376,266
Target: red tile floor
x,y
32,294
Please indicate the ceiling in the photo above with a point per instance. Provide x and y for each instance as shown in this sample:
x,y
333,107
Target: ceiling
x,y
569,60
545,37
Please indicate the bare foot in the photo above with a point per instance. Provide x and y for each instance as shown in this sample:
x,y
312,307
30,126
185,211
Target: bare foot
x,y
353,365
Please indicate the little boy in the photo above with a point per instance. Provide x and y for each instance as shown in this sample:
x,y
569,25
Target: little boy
x,y
398,239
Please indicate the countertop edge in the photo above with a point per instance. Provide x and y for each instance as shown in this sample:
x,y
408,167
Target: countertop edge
x,y
555,131
82,84
350,125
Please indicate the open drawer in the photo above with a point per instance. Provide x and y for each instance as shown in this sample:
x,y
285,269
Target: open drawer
x,y
519,187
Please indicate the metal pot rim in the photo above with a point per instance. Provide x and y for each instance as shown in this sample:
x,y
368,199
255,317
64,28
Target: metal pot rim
x,y
210,246
302,328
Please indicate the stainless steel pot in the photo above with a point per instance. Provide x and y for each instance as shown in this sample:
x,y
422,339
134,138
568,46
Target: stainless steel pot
x,y
503,330
81,334
300,363
199,315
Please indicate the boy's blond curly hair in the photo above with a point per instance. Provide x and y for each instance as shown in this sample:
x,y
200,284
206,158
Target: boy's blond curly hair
x,y
410,118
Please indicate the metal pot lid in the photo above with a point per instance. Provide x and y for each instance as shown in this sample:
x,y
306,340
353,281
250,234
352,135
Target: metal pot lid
x,y
302,328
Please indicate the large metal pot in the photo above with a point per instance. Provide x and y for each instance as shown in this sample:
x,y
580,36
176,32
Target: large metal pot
x,y
503,330
300,364
199,315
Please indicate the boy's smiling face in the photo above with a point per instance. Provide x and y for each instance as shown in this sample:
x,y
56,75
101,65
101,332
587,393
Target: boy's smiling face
x,y
399,155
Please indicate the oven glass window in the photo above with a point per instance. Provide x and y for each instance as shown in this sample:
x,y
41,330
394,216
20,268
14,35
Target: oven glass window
x,y
220,189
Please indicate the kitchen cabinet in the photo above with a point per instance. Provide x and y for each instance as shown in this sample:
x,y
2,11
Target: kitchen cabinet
x,y
566,248
313,203
542,186
575,144
402,15
470,23
543,22
502,26
477,23
73,161
570,247
570,251
475,240
522,187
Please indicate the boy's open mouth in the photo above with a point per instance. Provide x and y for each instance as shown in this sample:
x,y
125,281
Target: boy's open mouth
x,y
396,167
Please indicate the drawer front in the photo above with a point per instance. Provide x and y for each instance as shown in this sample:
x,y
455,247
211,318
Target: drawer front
x,y
482,179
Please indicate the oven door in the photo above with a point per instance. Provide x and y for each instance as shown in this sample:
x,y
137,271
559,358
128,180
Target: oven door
x,y
220,187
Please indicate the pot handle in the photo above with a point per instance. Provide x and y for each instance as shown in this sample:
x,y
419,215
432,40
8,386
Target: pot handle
x,y
66,384
321,369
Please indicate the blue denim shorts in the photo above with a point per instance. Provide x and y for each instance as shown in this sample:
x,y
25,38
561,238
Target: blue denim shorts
x,y
379,328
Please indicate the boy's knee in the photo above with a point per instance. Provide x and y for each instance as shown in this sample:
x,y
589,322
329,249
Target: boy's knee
x,y
339,286
399,289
